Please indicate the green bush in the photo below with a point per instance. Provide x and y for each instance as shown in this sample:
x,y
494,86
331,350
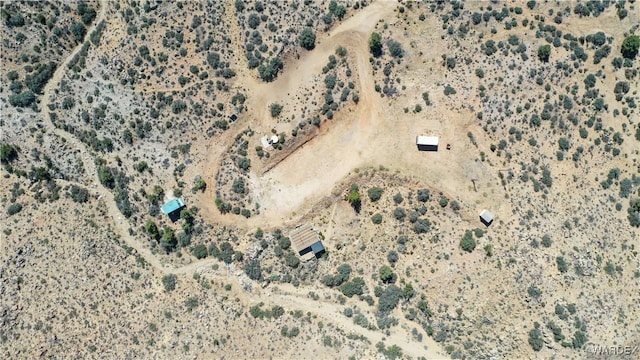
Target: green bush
x,y
375,193
448,90
270,69
353,287
253,270
630,46
375,44
8,153
544,52
292,260
308,38
389,299
169,282
467,243
353,197
376,218
395,49
535,338
386,274
152,230
275,109
14,209
199,251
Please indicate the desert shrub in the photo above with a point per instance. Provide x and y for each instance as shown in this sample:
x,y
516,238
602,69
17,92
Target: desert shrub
x,y
353,197
544,52
397,198
546,241
199,251
395,49
399,213
353,287
386,274
375,44
79,194
14,209
291,260
152,230
78,30
630,46
270,69
467,243
444,201
535,338
253,270
376,218
423,195
308,38
389,299
421,226
392,257
448,90
169,282
238,186
275,109
168,242
634,212
253,20
8,153
375,193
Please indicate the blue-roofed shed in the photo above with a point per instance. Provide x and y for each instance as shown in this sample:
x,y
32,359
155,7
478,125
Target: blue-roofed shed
x,y
172,208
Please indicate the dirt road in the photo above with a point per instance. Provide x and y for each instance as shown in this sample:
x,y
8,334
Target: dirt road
x,y
349,133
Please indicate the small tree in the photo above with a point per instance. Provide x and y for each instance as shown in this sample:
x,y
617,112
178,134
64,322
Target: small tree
x,y
8,153
152,230
375,44
543,53
386,274
630,46
308,38
354,198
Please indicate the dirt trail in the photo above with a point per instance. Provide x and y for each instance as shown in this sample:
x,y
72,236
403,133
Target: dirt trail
x,y
343,132
91,180
312,171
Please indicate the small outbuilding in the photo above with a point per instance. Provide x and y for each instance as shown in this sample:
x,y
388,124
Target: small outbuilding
x,y
427,143
307,242
172,208
486,217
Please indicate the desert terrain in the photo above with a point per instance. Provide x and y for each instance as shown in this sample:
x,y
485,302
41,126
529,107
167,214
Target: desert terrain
x,y
264,116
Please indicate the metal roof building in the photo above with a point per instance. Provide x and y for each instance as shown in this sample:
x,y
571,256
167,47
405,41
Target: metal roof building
x,y
486,217
306,242
427,143
171,208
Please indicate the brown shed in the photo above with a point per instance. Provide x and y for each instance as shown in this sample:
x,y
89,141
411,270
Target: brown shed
x,y
306,242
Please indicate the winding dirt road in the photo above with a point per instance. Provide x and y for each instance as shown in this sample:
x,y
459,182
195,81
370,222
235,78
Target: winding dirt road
x,y
354,31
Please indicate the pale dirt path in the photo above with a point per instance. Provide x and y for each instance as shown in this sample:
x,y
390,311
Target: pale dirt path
x,y
312,171
292,299
91,174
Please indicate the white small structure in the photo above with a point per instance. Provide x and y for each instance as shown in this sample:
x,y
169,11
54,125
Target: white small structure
x,y
265,142
427,143
275,139
486,217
